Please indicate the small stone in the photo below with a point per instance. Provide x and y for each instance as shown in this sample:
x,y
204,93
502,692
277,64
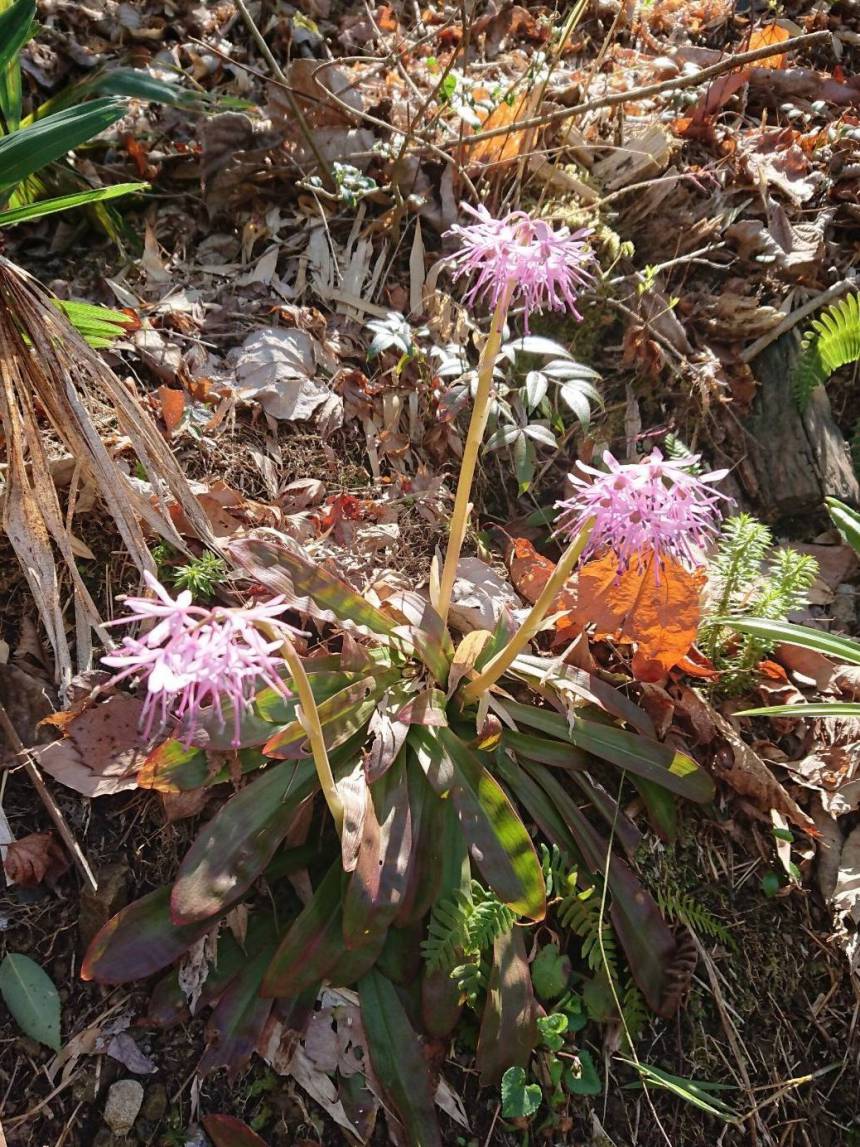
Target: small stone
x,y
155,1104
123,1104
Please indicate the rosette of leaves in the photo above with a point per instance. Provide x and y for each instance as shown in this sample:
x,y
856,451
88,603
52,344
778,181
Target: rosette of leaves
x,y
538,389
430,806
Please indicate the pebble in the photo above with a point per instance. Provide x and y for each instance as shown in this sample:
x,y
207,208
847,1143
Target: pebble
x,y
123,1104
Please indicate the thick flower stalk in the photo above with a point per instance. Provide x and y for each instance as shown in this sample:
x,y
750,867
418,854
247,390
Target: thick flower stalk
x,y
515,259
193,658
658,507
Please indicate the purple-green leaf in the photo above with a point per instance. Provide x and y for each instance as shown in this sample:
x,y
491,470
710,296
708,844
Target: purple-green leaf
x,y
240,840
284,568
239,1017
378,885
509,1024
497,838
340,715
398,1063
312,944
639,755
139,941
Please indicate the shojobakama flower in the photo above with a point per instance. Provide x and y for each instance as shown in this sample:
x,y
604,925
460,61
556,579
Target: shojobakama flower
x,y
658,506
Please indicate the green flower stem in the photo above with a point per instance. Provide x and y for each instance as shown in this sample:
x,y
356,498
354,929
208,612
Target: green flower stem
x,y
506,657
471,450
310,720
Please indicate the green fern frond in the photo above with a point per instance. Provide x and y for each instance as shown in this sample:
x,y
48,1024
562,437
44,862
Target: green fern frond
x,y
471,979
686,909
555,872
832,341
635,1012
580,912
489,918
447,932
464,924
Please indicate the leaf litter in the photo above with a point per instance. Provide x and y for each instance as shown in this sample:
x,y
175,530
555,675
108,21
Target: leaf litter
x,y
232,349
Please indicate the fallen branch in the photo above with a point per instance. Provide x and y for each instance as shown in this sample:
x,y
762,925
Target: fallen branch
x,y
676,83
791,320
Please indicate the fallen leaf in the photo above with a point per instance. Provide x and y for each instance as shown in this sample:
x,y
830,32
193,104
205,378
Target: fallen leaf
x,y
480,596
101,750
277,368
658,612
748,775
172,404
35,859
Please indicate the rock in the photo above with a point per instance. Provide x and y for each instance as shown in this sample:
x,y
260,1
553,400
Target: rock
x,y
123,1104
155,1104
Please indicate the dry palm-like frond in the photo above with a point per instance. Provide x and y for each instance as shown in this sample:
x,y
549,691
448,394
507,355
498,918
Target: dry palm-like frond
x,y
45,364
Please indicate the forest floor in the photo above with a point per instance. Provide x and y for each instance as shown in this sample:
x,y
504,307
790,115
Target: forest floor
x,y
724,215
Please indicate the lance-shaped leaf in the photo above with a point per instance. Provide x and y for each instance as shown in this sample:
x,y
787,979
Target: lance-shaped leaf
x,y
776,632
240,1015
378,885
424,630
274,707
139,941
497,838
284,568
173,768
568,679
228,1131
398,1063
240,840
644,935
341,716
313,942
649,759
509,1023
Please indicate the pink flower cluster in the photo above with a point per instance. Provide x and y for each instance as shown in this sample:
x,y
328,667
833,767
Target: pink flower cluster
x,y
546,267
193,657
658,506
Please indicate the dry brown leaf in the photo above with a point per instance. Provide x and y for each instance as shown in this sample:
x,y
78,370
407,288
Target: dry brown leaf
x,y
172,404
35,859
101,750
748,775
658,612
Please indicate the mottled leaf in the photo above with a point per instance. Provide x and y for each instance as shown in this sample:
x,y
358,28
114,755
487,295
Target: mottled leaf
x,y
497,838
240,840
138,941
397,1059
509,1023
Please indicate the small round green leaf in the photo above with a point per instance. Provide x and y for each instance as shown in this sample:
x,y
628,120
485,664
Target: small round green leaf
x,y
520,1100
32,999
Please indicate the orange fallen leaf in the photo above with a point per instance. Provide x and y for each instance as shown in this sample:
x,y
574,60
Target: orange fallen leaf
x,y
660,615
501,150
172,406
763,38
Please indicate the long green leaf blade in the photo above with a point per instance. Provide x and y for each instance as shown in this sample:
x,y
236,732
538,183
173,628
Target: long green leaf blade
x,y
240,840
30,148
846,520
43,207
639,755
787,633
813,709
398,1062
16,28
